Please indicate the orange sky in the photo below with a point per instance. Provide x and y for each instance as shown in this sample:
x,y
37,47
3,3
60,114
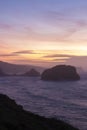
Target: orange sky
x,y
43,33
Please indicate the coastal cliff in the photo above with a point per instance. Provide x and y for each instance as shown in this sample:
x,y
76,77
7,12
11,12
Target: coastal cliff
x,y
14,117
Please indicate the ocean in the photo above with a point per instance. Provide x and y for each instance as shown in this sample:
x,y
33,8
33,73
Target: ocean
x,y
62,100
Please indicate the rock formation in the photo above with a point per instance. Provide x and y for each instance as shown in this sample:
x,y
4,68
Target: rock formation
x,y
61,73
13,117
32,73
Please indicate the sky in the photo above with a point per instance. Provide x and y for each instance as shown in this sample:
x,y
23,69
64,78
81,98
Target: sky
x,y
43,32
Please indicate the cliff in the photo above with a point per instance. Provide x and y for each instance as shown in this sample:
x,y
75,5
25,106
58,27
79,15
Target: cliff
x,y
17,68
13,117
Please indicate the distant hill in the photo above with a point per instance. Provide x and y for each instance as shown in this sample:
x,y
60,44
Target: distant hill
x,y
17,68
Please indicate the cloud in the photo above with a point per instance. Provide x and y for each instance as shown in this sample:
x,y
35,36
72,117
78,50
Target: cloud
x,y
58,55
78,61
65,33
30,61
5,26
69,59
18,53
3,43
59,60
82,23
24,52
69,25
44,63
78,25
56,18
47,37
8,55
66,26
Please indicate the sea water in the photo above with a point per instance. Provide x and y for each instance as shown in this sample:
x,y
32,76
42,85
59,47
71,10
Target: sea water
x,y
62,100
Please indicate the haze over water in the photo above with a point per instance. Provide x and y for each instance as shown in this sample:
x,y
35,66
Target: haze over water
x,y
45,33
62,100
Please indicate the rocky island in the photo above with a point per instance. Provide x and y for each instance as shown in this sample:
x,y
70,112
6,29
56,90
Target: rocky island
x,y
61,73
14,117
32,73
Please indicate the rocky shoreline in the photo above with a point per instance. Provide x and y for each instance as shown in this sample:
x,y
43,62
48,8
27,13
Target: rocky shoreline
x,y
14,117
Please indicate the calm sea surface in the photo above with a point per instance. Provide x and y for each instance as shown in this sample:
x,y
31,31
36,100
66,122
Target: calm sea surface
x,y
63,100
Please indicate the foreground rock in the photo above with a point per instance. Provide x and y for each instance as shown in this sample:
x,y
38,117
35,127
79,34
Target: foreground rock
x,y
32,73
61,73
13,117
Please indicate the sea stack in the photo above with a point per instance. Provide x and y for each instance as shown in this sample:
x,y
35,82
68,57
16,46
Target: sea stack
x,y
61,73
32,73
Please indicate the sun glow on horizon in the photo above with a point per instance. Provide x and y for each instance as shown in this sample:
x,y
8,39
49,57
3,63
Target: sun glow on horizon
x,y
43,33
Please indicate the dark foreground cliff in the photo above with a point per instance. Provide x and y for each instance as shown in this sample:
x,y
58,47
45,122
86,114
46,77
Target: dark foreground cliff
x,y
13,117
61,73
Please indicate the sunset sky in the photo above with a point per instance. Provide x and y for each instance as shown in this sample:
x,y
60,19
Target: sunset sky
x,y
43,32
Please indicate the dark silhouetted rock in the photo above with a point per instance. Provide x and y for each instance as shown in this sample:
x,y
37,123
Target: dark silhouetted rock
x,y
61,73
32,73
13,117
